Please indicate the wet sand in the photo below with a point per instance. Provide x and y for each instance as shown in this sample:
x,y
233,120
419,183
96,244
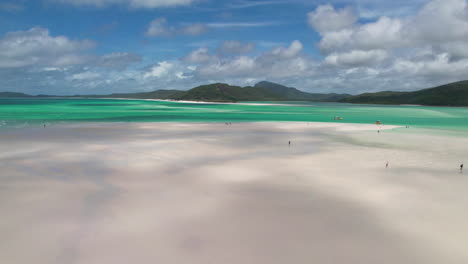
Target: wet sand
x,y
118,193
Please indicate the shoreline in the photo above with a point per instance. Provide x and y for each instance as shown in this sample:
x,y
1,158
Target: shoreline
x,y
199,102
244,103
334,125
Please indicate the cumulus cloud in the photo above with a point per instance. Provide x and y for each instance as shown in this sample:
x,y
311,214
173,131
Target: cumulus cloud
x,y
200,55
288,52
438,22
430,43
37,47
325,18
159,27
421,49
277,62
159,70
129,3
440,66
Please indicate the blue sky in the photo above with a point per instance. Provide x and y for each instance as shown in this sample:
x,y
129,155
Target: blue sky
x,y
103,46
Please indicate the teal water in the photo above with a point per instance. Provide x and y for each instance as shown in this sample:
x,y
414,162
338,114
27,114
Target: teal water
x,y
25,112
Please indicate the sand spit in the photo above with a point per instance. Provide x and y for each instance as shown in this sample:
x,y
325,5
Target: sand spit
x,y
119,193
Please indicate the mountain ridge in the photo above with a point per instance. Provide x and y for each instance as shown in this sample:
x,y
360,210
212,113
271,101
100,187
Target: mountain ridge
x,y
451,94
219,92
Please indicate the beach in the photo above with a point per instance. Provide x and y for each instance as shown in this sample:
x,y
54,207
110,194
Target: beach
x,y
214,193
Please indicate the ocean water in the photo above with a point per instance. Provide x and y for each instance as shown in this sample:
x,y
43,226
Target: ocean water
x,y
31,112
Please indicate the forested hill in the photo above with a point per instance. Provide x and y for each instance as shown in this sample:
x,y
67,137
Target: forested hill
x,y
220,92
452,94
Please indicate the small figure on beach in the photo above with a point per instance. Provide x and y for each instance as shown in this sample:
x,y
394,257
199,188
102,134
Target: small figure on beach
x,y
289,142
378,131
386,165
44,125
461,168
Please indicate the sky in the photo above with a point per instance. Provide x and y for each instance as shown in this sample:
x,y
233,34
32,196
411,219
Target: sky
x,y
67,47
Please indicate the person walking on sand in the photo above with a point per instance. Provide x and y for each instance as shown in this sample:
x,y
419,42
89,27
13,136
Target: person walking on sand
x,y
461,168
289,143
386,165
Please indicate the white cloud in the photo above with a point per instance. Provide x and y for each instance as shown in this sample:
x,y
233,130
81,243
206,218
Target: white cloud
x,y
436,67
293,50
392,51
162,69
159,27
200,55
457,50
429,44
84,76
438,22
278,62
129,3
356,58
239,66
37,47
325,18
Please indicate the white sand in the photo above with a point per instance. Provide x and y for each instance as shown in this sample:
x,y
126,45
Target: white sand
x,y
211,193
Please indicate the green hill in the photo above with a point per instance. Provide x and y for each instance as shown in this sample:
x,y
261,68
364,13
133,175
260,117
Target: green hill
x,y
452,94
221,92
294,94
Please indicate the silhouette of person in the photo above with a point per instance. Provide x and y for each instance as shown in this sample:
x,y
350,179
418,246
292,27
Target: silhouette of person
x,y
461,168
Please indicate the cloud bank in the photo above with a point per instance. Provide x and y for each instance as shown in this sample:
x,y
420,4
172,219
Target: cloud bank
x,y
352,54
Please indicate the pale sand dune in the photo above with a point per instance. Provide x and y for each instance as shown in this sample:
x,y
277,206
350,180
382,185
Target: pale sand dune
x,y
209,193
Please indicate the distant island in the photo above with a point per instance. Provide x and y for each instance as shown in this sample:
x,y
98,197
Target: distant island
x,y
217,92
452,94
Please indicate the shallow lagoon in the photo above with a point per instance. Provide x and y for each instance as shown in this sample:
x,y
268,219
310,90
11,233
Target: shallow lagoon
x,y
25,112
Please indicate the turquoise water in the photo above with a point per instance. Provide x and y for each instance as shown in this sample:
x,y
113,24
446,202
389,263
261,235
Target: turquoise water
x,y
25,112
